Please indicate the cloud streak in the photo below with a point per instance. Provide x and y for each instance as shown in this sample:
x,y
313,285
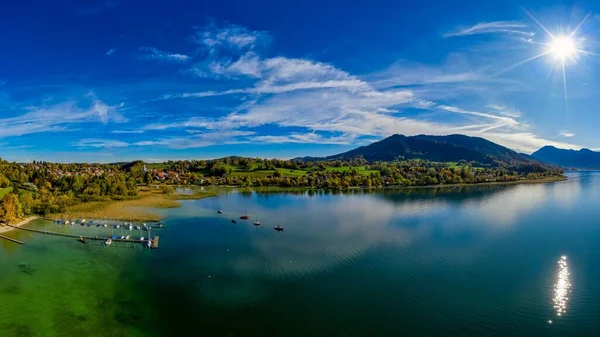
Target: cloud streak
x,y
151,53
495,27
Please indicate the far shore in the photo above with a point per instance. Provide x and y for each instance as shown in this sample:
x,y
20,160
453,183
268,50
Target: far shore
x,y
144,207
23,222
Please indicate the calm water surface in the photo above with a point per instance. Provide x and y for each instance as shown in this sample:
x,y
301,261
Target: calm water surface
x,y
505,260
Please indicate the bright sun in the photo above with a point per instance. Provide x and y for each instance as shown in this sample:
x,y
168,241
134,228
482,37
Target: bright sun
x,y
563,47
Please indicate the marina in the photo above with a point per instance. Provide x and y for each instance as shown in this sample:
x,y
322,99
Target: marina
x,y
82,238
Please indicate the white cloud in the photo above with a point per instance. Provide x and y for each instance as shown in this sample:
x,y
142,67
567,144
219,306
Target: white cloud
x,y
305,138
506,111
100,143
508,27
150,53
111,51
59,117
127,131
230,37
567,134
508,121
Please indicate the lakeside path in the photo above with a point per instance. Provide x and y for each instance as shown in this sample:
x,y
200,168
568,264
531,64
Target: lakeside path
x,y
23,222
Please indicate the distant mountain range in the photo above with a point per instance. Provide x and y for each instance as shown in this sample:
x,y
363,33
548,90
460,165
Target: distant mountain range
x,y
450,148
583,158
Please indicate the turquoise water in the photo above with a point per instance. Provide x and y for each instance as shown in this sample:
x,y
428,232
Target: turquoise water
x,y
464,261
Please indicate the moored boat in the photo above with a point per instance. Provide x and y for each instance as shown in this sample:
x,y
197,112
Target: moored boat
x,y
81,239
233,221
108,242
219,212
279,228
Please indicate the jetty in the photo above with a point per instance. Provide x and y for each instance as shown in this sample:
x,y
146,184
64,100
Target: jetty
x,y
11,239
76,236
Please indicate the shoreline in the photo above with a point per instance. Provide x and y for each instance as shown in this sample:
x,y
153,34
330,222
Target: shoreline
x,y
143,208
4,229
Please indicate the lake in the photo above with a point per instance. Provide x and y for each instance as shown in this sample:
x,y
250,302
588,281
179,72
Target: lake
x,y
516,260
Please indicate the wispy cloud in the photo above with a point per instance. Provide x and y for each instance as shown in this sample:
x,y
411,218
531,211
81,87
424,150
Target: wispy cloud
x,y
60,117
99,143
567,134
127,131
230,37
306,138
111,51
151,53
508,27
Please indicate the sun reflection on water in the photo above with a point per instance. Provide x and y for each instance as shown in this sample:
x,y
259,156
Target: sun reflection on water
x,y
562,287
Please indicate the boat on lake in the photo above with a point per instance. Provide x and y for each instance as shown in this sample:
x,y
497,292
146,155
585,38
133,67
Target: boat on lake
x,y
122,237
127,237
220,212
142,238
81,239
257,222
279,228
233,221
105,225
244,217
108,242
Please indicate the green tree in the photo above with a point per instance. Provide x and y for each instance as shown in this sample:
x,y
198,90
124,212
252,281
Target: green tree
x,y
10,208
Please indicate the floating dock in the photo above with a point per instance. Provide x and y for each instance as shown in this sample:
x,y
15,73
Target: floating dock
x,y
155,242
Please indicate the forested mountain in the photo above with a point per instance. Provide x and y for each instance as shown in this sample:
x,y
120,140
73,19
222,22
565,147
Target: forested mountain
x,y
583,158
452,148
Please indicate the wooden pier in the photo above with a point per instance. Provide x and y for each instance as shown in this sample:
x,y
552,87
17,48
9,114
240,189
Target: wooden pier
x,y
78,236
155,242
11,239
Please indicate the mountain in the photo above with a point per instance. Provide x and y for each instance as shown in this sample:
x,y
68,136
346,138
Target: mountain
x,y
583,158
450,148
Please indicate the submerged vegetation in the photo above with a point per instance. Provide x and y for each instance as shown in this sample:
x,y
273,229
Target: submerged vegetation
x,y
128,190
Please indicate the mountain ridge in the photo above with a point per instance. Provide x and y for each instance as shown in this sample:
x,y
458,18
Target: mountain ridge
x,y
583,158
449,148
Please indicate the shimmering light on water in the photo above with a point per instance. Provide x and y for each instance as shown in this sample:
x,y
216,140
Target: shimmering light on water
x,y
562,288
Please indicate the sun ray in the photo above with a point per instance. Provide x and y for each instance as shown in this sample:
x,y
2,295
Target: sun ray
x,y
537,22
579,25
520,63
587,52
564,72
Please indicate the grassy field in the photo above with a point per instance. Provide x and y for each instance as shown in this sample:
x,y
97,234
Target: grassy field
x,y
138,209
4,191
156,166
361,169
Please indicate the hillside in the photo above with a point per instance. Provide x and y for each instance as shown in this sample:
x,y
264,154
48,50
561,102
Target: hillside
x,y
583,158
450,148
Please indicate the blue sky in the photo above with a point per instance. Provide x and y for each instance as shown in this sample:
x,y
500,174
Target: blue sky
x,y
119,80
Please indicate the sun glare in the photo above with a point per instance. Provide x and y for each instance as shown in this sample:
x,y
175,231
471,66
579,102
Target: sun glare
x,y
563,48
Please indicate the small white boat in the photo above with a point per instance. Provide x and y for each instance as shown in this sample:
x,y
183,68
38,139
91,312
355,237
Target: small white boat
x,y
117,226
105,225
108,242
82,220
122,237
219,212
149,244
127,237
137,227
67,222
130,227
142,238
